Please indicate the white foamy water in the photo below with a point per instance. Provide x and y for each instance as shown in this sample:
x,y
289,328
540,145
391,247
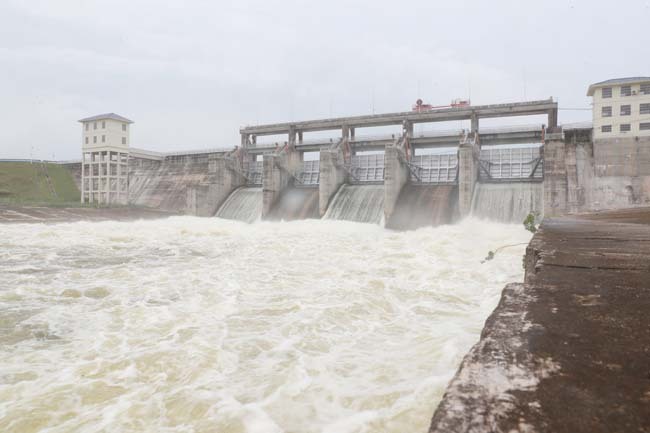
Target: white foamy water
x,y
208,325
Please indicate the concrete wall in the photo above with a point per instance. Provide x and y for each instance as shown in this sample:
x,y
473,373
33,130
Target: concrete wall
x,y
581,175
396,175
191,184
332,176
555,174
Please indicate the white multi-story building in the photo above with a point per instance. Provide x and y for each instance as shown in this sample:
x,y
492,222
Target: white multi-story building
x,y
104,159
621,107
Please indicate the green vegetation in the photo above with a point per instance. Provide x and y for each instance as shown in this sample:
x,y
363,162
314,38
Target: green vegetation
x,y
530,223
37,183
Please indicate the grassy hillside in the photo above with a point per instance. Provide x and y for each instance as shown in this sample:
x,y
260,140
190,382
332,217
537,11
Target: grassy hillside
x,y
24,182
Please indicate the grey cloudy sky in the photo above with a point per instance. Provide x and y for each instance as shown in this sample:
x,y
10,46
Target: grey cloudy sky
x,y
189,73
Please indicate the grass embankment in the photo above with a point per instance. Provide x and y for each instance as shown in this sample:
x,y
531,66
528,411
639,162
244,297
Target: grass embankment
x,y
37,184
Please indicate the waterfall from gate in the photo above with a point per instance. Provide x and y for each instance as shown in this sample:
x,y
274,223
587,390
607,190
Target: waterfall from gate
x,y
507,202
361,203
424,205
244,204
296,204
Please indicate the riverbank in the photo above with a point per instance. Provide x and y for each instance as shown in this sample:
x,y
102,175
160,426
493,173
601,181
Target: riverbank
x,y
48,214
568,350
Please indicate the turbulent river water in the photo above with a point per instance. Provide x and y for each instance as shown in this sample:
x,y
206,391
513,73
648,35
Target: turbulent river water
x,y
208,325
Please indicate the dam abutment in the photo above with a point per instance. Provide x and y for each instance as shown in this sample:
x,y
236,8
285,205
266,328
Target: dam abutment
x,y
573,335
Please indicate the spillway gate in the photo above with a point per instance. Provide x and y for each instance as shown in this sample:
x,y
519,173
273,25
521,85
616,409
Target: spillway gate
x,y
310,174
434,169
254,170
367,168
511,164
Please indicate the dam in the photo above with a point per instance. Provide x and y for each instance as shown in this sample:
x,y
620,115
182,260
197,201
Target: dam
x,y
403,180
128,317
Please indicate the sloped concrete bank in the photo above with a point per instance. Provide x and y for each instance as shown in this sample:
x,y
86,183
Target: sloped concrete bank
x,y
568,350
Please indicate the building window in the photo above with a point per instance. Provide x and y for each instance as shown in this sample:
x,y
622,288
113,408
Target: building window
x,y
607,92
645,89
606,128
626,110
86,126
94,139
644,109
95,125
124,127
103,124
626,90
123,140
103,139
607,111
86,140
645,126
625,127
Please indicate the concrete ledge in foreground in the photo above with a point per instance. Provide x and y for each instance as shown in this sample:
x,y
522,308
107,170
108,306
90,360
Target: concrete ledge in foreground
x,y
569,350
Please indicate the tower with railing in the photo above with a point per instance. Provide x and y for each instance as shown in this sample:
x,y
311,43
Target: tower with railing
x,y
104,159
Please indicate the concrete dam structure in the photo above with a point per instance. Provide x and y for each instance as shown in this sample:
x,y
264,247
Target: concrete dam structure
x,y
403,180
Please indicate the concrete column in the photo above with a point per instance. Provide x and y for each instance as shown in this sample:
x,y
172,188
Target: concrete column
x,y
555,173
244,141
300,137
345,131
83,176
118,182
332,176
552,118
352,132
407,128
474,120
107,179
292,136
396,174
275,179
467,175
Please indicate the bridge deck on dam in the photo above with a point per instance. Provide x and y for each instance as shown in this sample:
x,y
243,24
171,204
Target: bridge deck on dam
x,y
442,115
568,350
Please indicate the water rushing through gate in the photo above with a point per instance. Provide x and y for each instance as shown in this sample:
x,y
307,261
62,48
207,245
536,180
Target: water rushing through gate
x,y
210,325
244,204
361,203
507,202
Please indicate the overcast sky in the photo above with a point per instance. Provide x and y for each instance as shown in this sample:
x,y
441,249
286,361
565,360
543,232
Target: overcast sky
x,y
190,73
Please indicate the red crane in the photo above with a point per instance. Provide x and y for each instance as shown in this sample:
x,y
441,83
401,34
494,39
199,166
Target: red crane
x,y
456,103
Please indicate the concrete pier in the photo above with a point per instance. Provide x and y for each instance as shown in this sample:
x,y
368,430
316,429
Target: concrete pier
x,y
274,181
555,174
396,175
467,175
567,350
332,176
